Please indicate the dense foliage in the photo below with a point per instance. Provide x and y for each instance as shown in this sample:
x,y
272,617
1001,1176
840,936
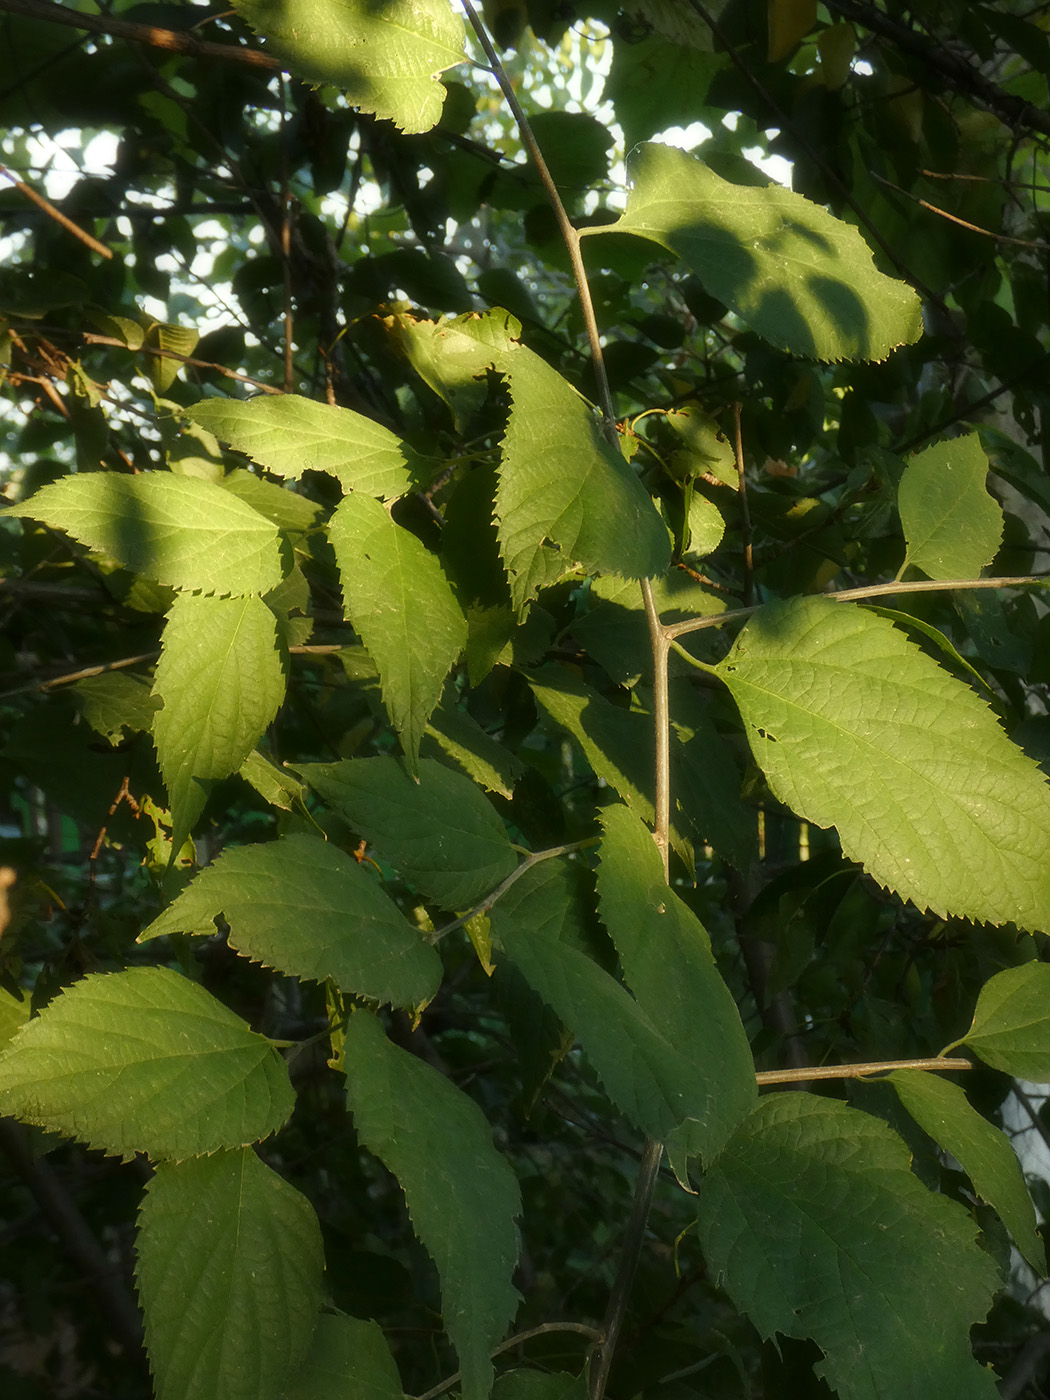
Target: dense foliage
x,y
424,489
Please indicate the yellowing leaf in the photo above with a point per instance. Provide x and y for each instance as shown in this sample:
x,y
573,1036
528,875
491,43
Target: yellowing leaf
x,y
789,21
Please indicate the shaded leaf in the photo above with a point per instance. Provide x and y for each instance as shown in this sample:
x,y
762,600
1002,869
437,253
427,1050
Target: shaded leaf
x,y
348,1360
644,1072
385,57
176,530
439,831
301,905
667,962
854,727
952,526
229,1274
14,1013
1011,1023
144,1061
985,1154
817,1227
438,1144
291,434
481,757
802,279
221,682
402,607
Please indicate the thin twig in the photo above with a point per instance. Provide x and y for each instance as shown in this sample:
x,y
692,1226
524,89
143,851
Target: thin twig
x,y
795,1076
56,214
853,595
174,40
634,1237
662,733
569,235
580,1328
745,509
954,218
534,858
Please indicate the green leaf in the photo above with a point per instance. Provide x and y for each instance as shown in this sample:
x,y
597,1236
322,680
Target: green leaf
x,y
403,609
565,498
285,507
229,1273
290,435
173,529
116,703
301,905
14,1013
943,1111
483,758
801,278
1011,1023
274,785
221,682
164,368
438,1144
439,830
348,1360
385,56
667,962
817,1227
854,727
144,1061
647,1076
952,526
617,743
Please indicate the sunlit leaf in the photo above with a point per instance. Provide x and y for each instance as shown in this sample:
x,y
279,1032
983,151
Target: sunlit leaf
x,y
177,530
290,435
219,682
385,56
144,1060
402,607
229,1273
856,728
952,526
802,279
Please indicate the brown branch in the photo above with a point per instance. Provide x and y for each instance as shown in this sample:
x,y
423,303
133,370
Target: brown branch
x,y
174,40
960,75
795,1076
63,219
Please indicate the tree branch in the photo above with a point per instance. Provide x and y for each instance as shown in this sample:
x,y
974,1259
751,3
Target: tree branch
x,y
960,75
174,40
